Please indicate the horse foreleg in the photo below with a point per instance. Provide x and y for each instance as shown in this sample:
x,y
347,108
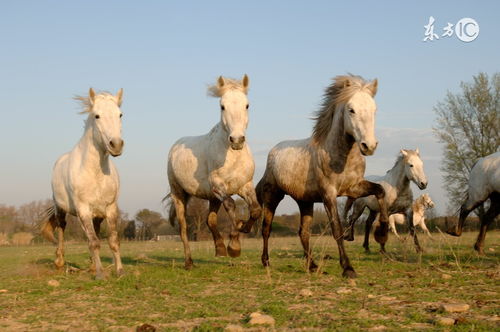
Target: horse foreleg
x,y
489,216
234,246
356,213
368,227
113,240
220,248
330,202
366,188
306,217
247,192
94,245
413,234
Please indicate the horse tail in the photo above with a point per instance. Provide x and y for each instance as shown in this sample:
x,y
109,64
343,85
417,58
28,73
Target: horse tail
x,y
171,209
49,224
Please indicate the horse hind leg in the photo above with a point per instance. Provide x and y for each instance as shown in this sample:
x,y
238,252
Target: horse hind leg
x,y
180,210
60,218
490,215
220,248
271,197
306,217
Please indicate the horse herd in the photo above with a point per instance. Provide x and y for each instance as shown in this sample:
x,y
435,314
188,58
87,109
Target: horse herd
x,y
219,164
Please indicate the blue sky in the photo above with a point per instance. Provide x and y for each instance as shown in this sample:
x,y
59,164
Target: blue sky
x,y
165,53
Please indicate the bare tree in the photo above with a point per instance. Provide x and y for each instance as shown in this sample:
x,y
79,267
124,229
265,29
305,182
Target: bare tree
x,y
468,123
150,222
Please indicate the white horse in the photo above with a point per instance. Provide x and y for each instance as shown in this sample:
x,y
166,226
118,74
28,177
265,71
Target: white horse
x,y
484,183
327,165
398,194
214,167
85,182
418,207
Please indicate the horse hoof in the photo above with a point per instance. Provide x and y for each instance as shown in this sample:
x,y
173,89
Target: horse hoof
x,y
349,273
452,232
246,228
265,262
99,276
221,251
120,273
188,264
59,264
233,252
313,267
348,238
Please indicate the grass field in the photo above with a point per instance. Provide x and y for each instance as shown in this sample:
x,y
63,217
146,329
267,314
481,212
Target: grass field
x,y
402,291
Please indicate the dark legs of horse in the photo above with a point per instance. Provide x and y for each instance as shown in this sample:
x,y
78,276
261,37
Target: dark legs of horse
x,y
368,227
356,213
330,202
220,248
306,217
464,212
489,216
270,198
413,233
366,188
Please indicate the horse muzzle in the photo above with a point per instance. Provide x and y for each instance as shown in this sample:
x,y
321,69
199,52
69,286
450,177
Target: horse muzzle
x,y
366,149
422,185
115,146
237,143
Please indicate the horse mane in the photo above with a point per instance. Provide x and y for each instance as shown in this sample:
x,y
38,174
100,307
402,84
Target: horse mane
x,y
215,90
85,103
339,92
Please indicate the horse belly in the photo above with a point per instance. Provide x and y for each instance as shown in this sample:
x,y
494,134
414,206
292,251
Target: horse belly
x,y
293,174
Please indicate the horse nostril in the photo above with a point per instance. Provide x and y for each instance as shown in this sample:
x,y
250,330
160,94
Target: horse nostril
x,y
112,144
242,139
231,139
364,146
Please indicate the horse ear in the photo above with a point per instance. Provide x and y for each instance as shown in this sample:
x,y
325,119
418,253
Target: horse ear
x,y
418,152
246,82
91,96
373,87
119,96
403,152
220,82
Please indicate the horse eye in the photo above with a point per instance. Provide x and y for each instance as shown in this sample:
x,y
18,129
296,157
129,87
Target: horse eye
x,y
248,106
411,165
121,114
222,107
351,111
97,116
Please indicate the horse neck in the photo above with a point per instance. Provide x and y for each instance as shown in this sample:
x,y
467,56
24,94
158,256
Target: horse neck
x,y
93,156
418,206
397,177
338,144
219,134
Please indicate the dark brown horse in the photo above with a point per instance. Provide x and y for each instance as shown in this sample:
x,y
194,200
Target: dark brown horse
x,y
329,164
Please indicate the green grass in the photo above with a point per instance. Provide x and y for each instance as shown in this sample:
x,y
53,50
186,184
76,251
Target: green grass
x,y
401,291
